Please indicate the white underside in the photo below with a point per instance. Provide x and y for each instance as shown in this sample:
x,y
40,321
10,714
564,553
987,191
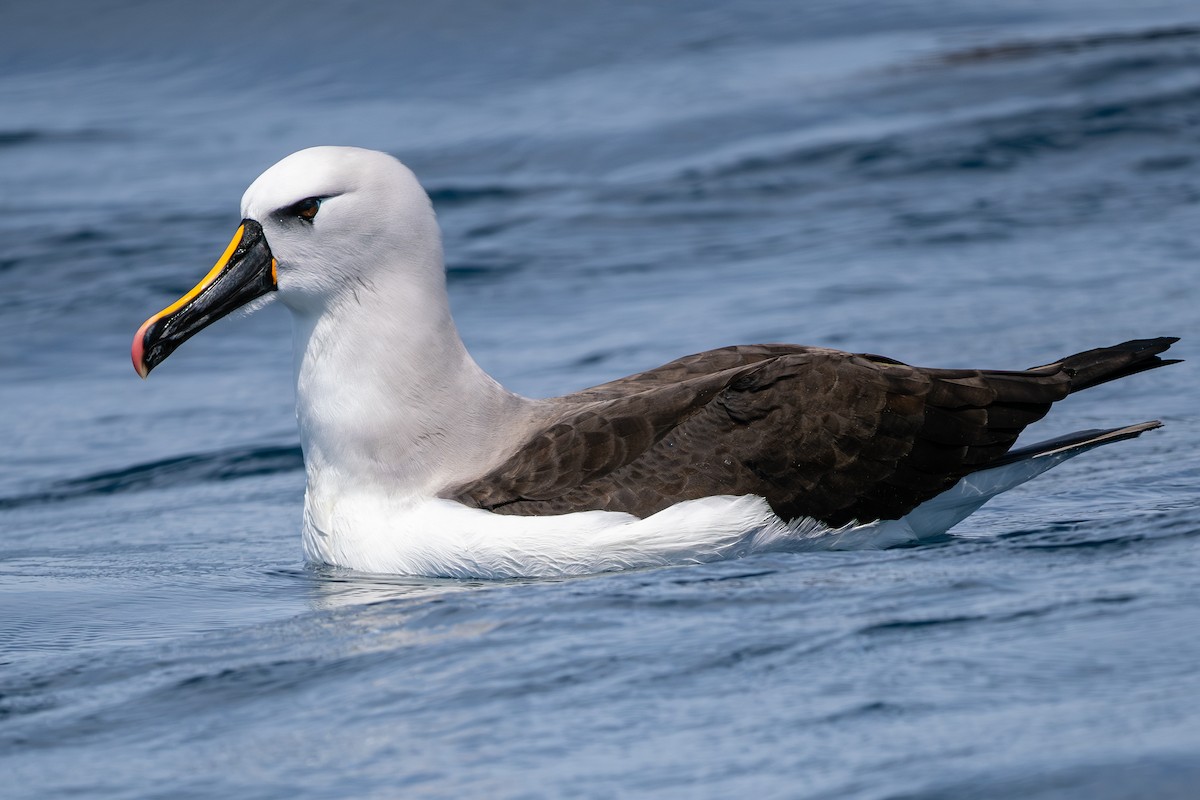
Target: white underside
x,y
371,532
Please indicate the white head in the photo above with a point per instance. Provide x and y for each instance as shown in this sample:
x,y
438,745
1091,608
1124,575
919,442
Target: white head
x,y
370,216
326,226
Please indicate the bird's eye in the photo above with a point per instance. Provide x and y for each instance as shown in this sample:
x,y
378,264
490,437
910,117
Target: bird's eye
x,y
306,209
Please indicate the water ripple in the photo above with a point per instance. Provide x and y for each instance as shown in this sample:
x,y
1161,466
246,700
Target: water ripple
x,y
217,466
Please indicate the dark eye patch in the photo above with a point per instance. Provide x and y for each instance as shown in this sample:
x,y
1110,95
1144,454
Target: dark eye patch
x,y
306,209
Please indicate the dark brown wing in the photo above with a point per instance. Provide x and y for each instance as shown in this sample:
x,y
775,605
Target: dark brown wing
x,y
818,433
693,366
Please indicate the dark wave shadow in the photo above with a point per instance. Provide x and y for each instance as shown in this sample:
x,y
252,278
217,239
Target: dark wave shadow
x,y
18,137
479,272
1069,44
222,465
462,194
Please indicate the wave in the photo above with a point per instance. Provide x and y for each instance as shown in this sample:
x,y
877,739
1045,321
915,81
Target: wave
x,y
221,465
462,194
1011,116
1067,44
20,137
990,142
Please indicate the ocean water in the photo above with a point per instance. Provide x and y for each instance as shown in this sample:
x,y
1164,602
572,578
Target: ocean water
x,y
950,183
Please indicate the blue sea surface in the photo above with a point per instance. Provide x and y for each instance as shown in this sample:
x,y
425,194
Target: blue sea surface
x,y
950,183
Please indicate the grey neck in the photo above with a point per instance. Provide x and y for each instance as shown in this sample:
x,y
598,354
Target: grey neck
x,y
388,396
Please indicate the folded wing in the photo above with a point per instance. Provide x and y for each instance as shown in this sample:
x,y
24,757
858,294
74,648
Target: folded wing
x,y
819,433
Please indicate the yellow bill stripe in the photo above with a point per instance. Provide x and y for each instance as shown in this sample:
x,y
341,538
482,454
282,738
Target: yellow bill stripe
x,y
206,281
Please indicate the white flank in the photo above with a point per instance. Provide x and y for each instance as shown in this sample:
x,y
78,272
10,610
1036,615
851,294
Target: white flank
x,y
370,532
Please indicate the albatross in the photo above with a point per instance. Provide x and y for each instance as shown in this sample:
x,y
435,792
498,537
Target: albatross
x,y
418,462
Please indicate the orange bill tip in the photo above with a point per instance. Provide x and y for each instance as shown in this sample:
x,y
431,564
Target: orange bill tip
x,y
138,351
